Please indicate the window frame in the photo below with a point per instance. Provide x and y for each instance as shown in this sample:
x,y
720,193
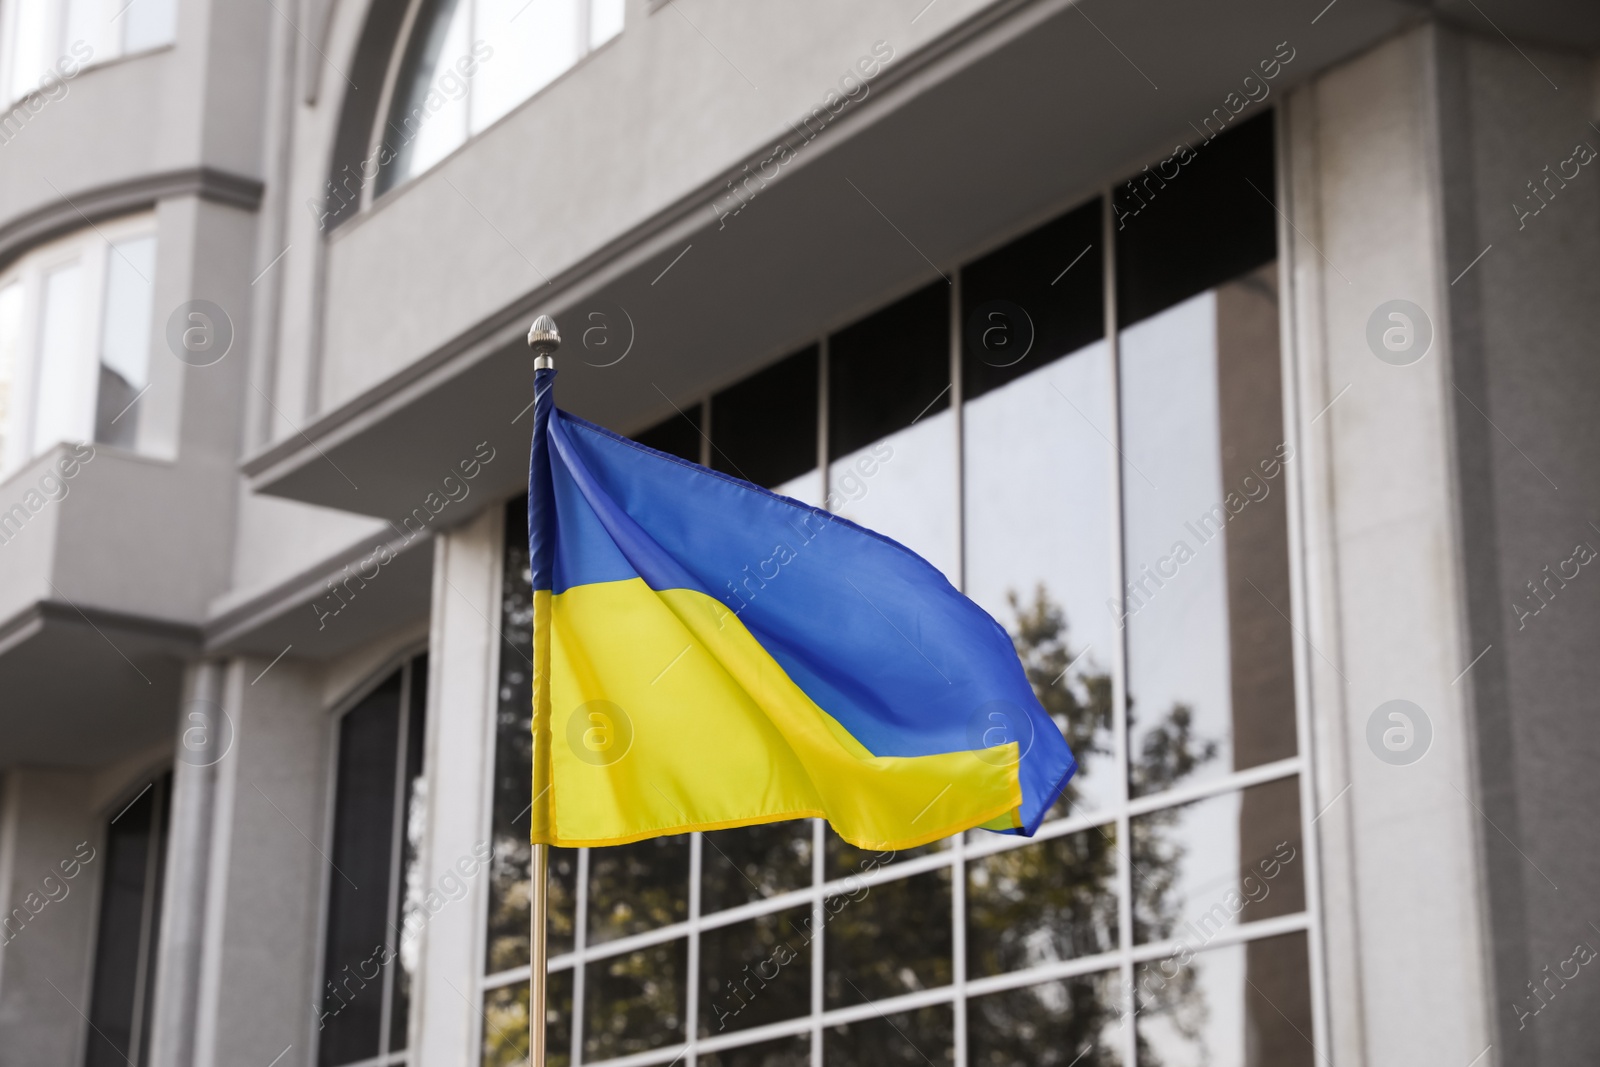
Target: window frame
x,y
401,661
90,248
111,48
150,946
394,69
1128,954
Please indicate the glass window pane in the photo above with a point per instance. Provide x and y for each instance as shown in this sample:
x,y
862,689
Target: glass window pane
x,y
755,972
533,42
61,401
904,488
428,118
1048,901
10,345
1210,665
1076,1022
33,45
889,368
513,775
1039,464
128,931
764,428
1209,205
351,1003
891,437
1247,1003
678,435
605,20
505,1023
148,23
638,887
413,889
915,1038
888,939
784,1052
843,859
125,340
753,863
1208,866
1033,301
633,1002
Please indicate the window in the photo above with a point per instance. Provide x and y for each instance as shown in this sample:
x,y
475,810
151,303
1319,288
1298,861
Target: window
x,y
75,332
129,928
375,890
1068,424
40,34
466,63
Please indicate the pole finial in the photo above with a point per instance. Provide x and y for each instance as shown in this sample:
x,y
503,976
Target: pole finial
x,y
544,339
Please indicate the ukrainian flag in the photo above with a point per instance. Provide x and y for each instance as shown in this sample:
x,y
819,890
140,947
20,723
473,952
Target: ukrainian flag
x,y
709,654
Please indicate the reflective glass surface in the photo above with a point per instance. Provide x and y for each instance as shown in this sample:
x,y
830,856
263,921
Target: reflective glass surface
x,y
756,972
634,1002
1243,1004
1045,902
754,862
1074,1022
1068,458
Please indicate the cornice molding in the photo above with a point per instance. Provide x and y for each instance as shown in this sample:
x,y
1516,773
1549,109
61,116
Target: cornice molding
x,y
120,198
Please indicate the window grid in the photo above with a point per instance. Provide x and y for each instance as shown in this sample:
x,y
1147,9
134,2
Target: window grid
x,y
956,852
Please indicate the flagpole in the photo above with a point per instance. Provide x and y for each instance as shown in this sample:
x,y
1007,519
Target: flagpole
x,y
543,339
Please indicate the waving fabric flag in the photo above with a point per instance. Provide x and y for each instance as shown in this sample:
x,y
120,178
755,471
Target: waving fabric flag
x,y
710,654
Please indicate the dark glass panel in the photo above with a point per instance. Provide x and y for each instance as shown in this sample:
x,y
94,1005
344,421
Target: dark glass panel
x,y
764,428
638,887
358,937
889,369
915,1038
753,863
505,1023
784,1052
888,939
1244,1004
1035,300
842,859
1200,217
130,911
1204,867
1048,901
634,1002
677,435
1075,1022
755,972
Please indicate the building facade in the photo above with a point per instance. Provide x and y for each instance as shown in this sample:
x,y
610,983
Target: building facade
x,y
1234,357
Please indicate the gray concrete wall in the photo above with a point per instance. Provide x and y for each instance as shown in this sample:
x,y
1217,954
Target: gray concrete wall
x,y
1523,322
46,820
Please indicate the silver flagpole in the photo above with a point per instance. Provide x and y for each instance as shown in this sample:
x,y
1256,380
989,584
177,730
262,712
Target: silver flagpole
x,y
544,339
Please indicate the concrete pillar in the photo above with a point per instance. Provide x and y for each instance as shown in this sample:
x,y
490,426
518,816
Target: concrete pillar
x,y
1404,905
268,870
50,845
459,766
205,737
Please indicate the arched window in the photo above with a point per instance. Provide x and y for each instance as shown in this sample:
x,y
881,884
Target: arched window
x,y
466,63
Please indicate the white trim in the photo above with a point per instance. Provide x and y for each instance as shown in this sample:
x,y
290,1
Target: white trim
x,y
1294,509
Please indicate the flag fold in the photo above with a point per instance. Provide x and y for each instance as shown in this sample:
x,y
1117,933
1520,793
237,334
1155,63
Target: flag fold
x,y
709,654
